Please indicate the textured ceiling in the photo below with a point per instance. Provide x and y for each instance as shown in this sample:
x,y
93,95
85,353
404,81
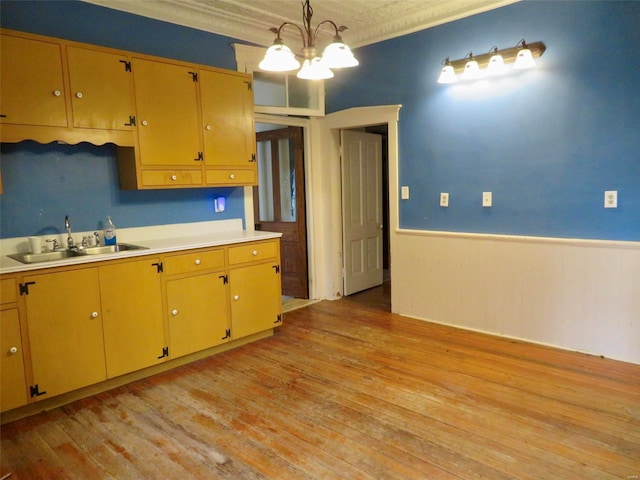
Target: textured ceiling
x,y
368,21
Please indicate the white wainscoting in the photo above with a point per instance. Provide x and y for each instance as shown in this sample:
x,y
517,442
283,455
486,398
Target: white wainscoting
x,y
579,295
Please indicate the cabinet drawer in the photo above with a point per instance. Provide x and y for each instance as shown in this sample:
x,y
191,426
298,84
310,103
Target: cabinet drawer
x,y
231,177
8,290
169,178
193,262
253,252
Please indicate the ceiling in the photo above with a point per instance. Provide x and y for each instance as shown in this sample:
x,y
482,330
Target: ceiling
x,y
368,21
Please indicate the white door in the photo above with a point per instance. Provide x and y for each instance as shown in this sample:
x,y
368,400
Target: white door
x,y
361,210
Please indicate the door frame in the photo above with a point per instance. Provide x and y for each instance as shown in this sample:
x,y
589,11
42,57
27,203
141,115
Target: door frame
x,y
249,216
321,136
326,171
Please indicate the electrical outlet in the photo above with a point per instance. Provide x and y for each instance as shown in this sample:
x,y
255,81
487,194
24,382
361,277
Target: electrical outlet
x,y
404,192
444,199
611,199
487,199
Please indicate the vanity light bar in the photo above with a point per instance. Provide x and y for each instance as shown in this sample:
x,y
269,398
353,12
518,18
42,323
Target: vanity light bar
x,y
509,56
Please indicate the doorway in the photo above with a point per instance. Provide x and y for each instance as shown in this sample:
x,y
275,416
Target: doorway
x,y
279,201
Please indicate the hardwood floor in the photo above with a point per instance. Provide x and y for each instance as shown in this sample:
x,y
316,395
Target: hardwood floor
x,y
347,390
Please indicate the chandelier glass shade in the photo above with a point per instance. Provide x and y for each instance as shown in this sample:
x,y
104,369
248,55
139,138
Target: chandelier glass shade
x,y
280,58
314,69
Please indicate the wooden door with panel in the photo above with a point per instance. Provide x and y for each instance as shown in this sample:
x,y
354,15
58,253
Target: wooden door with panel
x,y
279,203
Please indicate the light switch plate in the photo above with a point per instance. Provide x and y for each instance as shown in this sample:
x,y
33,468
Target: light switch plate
x,y
487,199
444,199
611,199
404,192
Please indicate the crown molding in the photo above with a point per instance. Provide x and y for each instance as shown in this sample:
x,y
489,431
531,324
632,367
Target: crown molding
x,y
369,21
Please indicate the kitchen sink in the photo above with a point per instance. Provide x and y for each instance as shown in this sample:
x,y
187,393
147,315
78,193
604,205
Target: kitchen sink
x,y
42,257
121,247
62,254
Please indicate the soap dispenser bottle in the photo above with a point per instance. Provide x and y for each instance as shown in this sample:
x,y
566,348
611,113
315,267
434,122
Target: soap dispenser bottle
x,y
109,231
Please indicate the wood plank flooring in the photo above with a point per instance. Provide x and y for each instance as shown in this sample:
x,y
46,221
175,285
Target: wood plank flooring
x,y
346,389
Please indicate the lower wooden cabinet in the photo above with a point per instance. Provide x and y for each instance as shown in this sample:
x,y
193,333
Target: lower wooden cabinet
x,y
256,302
133,323
14,387
64,321
198,313
84,325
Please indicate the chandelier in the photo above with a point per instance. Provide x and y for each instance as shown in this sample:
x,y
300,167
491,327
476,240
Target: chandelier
x,y
279,57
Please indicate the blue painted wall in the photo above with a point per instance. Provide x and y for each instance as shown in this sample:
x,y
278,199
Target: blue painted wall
x,y
547,142
43,183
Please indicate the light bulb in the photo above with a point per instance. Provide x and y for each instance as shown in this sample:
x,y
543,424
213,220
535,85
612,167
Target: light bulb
x,y
447,75
524,59
471,70
496,65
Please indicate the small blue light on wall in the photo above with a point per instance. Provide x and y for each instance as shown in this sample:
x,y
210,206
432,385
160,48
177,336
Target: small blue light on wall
x,y
218,204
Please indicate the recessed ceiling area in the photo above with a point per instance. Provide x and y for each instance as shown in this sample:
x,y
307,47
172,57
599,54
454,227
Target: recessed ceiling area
x,y
368,21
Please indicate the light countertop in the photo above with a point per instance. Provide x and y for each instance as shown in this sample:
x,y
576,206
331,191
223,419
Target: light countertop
x,y
167,240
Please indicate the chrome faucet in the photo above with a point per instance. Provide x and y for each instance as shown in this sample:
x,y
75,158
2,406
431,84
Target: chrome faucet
x,y
67,226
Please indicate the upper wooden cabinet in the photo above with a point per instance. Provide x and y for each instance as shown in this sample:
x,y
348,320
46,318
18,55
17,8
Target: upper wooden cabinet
x,y
53,90
177,124
101,89
166,99
33,88
227,116
195,128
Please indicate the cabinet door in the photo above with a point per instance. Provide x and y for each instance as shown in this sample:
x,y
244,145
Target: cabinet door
x,y
198,313
101,89
166,102
13,392
227,119
65,331
256,302
133,323
32,83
